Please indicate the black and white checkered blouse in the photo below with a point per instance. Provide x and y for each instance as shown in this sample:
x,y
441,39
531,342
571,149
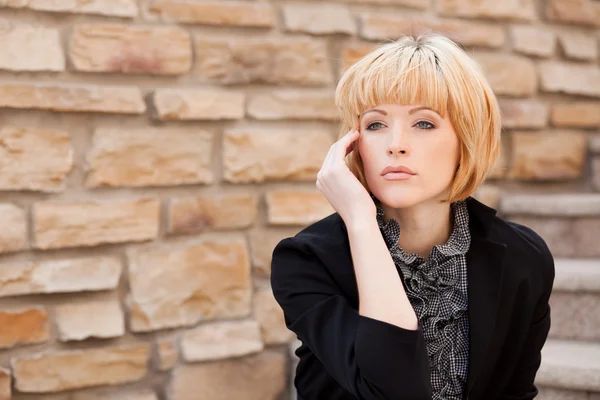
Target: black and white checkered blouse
x,y
437,290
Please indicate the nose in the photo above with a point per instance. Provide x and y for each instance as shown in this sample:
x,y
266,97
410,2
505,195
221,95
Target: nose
x,y
398,144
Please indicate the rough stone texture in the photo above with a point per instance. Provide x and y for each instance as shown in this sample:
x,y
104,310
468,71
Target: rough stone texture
x,y
195,104
257,377
5,384
270,316
130,49
25,47
548,155
58,276
575,316
352,54
585,232
296,207
167,354
489,195
318,19
230,13
596,173
94,222
566,205
262,244
578,12
570,365
595,145
220,211
510,9
576,114
509,74
13,237
499,170
117,8
293,104
577,275
149,157
523,113
215,341
377,26
23,327
115,393
417,4
298,60
533,40
570,78
72,98
74,323
578,45
560,394
206,279
53,372
34,159
252,154
557,232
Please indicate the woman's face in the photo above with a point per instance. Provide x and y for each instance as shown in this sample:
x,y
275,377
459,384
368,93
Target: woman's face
x,y
413,137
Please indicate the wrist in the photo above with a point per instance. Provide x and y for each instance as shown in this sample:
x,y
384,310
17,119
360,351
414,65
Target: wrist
x,y
361,225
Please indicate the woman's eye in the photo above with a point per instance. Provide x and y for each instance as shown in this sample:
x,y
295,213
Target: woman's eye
x,y
374,126
424,125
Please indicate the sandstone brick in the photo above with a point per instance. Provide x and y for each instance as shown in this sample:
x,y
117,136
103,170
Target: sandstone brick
x,y
59,276
5,384
558,204
149,157
546,393
205,280
257,377
509,74
352,54
72,98
595,145
548,155
557,232
265,154
14,235
167,354
523,113
586,12
489,195
53,372
293,104
273,60
93,222
296,207
220,340
23,327
25,47
533,40
90,319
416,4
111,393
574,316
318,19
570,78
35,159
596,173
270,316
578,45
585,232
193,104
117,8
377,26
577,114
130,49
229,13
512,9
221,211
262,244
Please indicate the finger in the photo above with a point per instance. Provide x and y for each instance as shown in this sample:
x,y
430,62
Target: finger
x,y
332,157
346,144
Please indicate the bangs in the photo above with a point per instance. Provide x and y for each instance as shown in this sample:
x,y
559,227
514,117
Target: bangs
x,y
392,74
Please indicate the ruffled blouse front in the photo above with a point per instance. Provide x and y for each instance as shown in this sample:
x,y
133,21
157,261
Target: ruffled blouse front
x,y
437,290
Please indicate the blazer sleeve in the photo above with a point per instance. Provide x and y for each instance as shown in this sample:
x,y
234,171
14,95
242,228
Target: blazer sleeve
x,y
521,385
372,359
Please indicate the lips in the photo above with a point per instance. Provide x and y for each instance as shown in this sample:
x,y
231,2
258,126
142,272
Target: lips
x,y
397,169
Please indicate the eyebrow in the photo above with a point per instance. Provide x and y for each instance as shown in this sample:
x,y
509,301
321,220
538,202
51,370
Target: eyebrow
x,y
412,111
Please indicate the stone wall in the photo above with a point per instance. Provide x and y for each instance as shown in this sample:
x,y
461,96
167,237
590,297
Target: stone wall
x,y
153,152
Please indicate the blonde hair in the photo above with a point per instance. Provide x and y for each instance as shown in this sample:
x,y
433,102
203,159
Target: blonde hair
x,y
433,71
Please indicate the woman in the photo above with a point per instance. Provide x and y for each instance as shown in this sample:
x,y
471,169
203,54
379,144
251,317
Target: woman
x,y
413,289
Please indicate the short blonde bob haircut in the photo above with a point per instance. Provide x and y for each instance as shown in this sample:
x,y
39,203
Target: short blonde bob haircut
x,y
430,70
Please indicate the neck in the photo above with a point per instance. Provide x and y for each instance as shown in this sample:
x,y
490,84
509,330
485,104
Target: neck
x,y
422,226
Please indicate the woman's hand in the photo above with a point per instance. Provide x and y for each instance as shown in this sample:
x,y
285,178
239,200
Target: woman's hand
x,y
341,188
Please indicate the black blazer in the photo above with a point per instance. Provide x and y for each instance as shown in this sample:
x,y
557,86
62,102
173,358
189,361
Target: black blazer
x,y
345,355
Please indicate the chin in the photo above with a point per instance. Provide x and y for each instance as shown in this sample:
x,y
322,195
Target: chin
x,y
405,196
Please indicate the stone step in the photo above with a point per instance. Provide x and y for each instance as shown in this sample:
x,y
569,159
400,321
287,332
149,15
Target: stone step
x,y
575,300
551,205
571,365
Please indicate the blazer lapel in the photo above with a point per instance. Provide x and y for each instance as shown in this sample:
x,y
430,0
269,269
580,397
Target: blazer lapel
x,y
484,273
